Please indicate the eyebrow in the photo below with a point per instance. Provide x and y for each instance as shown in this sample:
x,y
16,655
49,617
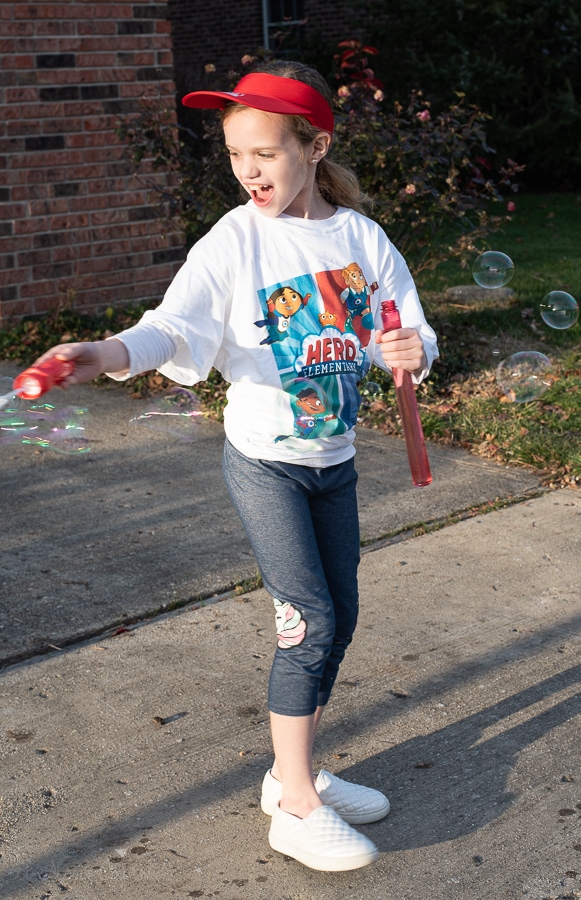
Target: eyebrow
x,y
256,149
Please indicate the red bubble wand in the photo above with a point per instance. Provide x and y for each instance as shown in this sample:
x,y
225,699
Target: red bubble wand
x,y
41,424
408,408
38,380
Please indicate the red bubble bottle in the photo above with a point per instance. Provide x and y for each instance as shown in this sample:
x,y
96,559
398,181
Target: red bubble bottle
x,y
408,407
37,380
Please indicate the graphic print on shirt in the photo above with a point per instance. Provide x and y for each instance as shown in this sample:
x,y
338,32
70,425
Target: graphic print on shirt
x,y
356,296
283,303
318,328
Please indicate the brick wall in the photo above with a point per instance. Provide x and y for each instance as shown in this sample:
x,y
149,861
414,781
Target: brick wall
x,y
218,33
74,223
333,20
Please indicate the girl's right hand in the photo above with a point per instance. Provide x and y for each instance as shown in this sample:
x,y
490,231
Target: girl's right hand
x,y
91,358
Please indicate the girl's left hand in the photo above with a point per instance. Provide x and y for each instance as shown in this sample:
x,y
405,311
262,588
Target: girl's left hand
x,y
402,348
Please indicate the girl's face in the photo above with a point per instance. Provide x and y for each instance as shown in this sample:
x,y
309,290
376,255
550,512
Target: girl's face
x,y
272,166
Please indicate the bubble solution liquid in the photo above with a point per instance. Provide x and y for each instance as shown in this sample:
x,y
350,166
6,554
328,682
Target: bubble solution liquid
x,y
408,407
37,380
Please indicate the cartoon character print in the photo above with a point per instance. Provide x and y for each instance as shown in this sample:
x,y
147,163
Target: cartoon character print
x,y
312,412
327,319
356,296
290,625
282,304
318,327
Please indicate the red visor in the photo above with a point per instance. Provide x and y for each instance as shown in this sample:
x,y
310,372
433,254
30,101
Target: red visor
x,y
271,93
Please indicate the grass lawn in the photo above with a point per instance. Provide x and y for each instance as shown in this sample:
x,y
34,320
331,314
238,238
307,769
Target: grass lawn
x,y
461,403
544,242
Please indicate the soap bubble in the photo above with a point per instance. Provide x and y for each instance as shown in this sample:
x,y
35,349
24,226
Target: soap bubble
x,y
12,426
492,269
177,412
63,430
559,309
8,398
524,376
369,390
370,394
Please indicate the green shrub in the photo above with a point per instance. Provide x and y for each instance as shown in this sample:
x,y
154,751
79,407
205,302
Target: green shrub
x,y
519,61
198,186
430,176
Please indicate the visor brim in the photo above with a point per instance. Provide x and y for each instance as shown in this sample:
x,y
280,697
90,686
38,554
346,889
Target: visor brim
x,y
219,99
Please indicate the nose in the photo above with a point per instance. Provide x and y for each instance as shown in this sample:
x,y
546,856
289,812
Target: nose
x,y
248,169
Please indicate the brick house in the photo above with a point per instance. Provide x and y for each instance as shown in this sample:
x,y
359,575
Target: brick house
x,y
75,225
222,33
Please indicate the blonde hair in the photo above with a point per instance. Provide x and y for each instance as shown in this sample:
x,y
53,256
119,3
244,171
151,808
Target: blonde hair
x,y
337,183
352,269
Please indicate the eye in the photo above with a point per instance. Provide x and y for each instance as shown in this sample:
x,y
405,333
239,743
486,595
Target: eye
x,y
264,154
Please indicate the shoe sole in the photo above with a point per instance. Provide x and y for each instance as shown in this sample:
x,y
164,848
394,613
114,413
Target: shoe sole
x,y
312,861
353,819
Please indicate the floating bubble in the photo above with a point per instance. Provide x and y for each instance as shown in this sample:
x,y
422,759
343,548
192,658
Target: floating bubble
x,y
492,269
524,376
46,426
369,392
64,431
177,412
8,398
370,389
559,309
496,352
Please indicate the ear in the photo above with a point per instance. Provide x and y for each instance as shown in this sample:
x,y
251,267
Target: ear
x,y
322,144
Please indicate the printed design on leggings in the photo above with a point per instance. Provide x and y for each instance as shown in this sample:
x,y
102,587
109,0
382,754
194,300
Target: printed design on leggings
x,y
290,625
318,328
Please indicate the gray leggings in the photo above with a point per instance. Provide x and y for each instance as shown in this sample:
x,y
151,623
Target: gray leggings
x,y
303,526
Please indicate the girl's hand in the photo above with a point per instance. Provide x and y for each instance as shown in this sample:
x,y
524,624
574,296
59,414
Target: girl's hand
x,y
91,358
402,348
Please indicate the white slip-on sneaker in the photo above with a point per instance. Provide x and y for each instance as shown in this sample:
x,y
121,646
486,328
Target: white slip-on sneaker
x,y
322,841
356,804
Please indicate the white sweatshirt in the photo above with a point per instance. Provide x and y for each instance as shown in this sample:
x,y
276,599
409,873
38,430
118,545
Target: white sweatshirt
x,y
285,309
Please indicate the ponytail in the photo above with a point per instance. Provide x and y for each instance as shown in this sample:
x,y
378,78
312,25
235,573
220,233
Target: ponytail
x,y
340,186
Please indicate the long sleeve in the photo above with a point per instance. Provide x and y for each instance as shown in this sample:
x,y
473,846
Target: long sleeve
x,y
149,347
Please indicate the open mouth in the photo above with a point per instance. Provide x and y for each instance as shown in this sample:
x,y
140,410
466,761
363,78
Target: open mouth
x,y
260,193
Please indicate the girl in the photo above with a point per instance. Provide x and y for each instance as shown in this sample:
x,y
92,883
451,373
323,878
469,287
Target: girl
x,y
262,298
